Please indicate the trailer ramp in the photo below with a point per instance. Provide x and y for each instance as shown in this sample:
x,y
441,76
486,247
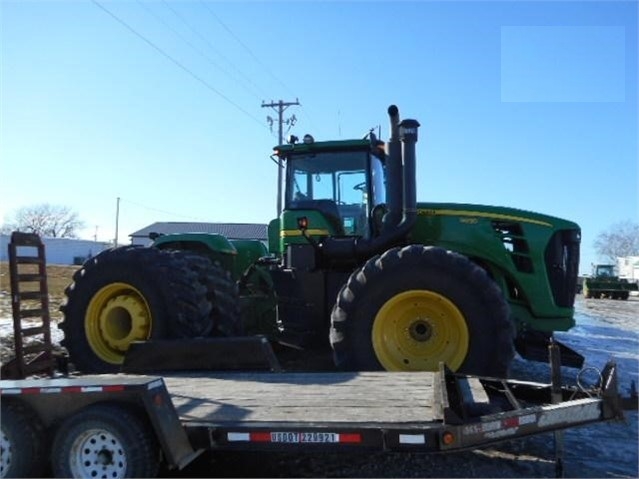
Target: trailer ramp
x,y
30,307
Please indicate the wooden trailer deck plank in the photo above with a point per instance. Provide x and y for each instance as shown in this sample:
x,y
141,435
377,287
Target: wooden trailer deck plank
x,y
298,397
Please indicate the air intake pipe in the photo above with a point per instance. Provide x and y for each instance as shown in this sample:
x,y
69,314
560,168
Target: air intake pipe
x,y
351,248
394,175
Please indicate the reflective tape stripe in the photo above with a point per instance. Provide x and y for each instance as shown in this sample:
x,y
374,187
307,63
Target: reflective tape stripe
x,y
350,438
260,437
238,437
50,390
64,390
11,391
91,389
412,439
113,389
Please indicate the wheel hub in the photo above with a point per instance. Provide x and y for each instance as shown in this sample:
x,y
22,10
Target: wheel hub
x,y
122,321
116,316
98,453
420,330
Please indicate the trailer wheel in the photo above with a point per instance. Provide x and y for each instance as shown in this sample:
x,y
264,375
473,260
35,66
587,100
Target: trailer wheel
x,y
128,294
414,307
104,441
22,441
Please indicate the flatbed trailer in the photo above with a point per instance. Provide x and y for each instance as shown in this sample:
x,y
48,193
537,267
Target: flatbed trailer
x,y
116,425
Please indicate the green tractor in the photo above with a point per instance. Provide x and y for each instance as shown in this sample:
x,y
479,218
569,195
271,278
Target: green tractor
x,y
355,267
604,283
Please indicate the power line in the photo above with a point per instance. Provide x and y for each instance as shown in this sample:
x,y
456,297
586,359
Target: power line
x,y
255,57
175,62
178,215
243,45
190,44
211,46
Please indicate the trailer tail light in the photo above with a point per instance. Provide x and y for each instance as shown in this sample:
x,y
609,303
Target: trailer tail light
x,y
448,438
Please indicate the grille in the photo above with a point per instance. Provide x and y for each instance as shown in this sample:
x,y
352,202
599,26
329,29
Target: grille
x,y
512,237
562,265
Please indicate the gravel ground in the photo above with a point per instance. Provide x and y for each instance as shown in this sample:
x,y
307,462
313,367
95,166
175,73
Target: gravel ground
x,y
606,329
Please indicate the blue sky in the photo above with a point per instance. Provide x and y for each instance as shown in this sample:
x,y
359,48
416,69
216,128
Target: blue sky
x,y
525,104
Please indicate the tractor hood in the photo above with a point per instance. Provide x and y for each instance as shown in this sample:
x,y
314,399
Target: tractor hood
x,y
469,212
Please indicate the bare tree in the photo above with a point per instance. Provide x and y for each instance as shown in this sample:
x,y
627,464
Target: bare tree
x,y
53,221
621,239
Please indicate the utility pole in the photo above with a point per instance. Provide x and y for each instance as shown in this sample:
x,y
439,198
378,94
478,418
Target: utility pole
x,y
280,106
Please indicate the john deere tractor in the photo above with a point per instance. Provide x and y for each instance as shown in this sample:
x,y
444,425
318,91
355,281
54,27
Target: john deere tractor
x,y
604,283
354,265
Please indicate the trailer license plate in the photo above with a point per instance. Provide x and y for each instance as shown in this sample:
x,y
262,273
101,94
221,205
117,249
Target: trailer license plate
x,y
296,437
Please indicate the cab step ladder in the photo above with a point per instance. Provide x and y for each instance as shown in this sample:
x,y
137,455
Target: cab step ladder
x,y
30,306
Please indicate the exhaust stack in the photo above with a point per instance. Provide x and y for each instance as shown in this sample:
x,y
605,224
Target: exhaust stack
x,y
401,185
394,174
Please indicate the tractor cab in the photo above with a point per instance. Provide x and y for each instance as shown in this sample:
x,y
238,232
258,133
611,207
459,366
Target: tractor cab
x,y
603,271
331,188
345,201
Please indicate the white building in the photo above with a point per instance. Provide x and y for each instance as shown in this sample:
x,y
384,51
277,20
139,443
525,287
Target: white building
x,y
628,268
233,231
60,250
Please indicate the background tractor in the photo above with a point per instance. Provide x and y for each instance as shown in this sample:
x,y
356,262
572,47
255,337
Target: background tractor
x,y
355,266
604,283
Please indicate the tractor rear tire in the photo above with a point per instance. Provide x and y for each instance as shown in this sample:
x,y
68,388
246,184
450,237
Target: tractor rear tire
x,y
22,442
414,307
222,292
105,440
132,293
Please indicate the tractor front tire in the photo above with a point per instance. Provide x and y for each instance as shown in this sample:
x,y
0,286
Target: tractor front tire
x,y
414,307
129,294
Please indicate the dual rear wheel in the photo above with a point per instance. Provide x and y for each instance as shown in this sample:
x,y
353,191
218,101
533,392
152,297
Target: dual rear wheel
x,y
134,294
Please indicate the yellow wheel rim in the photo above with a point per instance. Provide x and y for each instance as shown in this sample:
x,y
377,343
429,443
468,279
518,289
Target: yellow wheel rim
x,y
117,315
415,330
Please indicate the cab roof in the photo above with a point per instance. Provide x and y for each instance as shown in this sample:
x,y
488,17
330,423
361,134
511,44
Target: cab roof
x,y
339,145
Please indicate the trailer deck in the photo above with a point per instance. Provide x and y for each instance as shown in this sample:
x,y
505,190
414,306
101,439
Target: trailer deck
x,y
362,398
428,412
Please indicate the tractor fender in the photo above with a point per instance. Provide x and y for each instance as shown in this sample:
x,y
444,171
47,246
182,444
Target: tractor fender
x,y
211,242
214,246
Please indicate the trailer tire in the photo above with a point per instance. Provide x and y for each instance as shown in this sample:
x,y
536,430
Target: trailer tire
x,y
128,294
414,307
22,441
105,440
